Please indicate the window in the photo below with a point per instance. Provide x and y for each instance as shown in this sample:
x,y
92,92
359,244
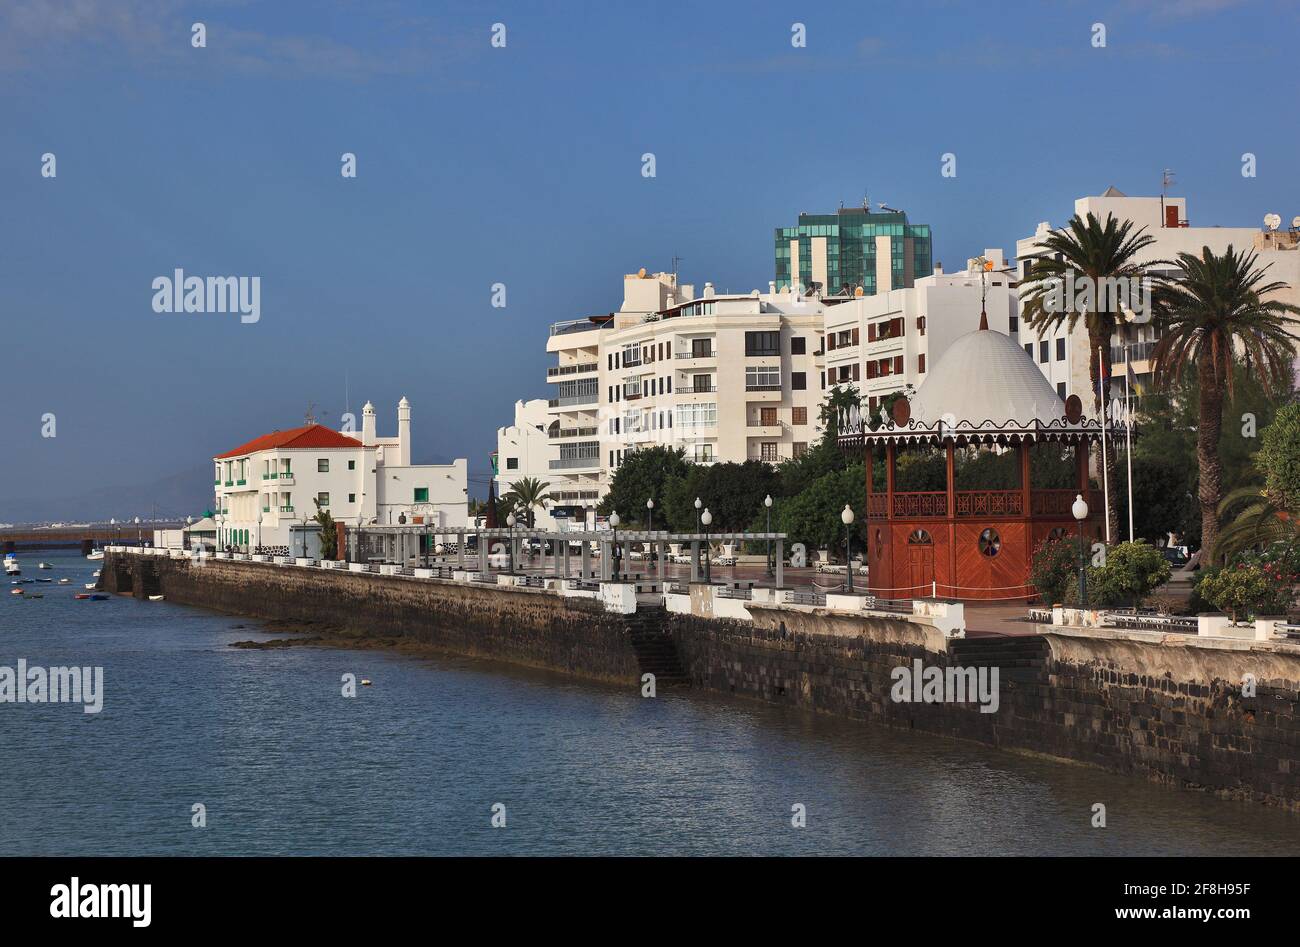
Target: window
x,y
352,465
512,463
769,452
421,495
632,354
798,345
701,348
1029,349
323,498
1060,350
1042,351
920,364
762,343
798,381
800,448
767,417
703,383
704,453
322,465
799,416
1013,324
990,543
919,537
697,415
920,324
352,498
762,378
1060,389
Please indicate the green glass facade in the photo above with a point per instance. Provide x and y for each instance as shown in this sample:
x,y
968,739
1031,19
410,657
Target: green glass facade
x,y
851,250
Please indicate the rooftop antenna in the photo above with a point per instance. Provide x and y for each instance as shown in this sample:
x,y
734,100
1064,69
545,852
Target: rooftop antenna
x,y
676,260
887,209
310,416
1272,221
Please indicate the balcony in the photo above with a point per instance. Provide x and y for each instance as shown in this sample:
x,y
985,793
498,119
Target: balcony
x,y
555,433
559,371
776,387
698,390
769,458
284,509
631,396
573,401
710,353
230,483
575,463
760,429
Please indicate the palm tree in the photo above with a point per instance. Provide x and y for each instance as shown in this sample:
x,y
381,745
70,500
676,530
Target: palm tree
x,y
1261,519
1217,306
1098,253
526,494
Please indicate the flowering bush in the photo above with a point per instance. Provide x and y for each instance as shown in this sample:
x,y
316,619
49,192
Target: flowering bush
x,y
1053,569
1239,589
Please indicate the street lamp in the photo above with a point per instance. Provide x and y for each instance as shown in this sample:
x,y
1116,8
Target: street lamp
x,y
650,515
613,524
259,532
846,517
139,539
706,518
1080,511
767,509
185,538
698,504
221,530
510,543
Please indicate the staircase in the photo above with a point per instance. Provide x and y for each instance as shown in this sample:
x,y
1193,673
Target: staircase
x,y
656,652
1019,657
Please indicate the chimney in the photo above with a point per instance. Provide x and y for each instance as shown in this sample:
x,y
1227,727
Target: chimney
x,y
938,268
368,425
771,287
708,290
404,433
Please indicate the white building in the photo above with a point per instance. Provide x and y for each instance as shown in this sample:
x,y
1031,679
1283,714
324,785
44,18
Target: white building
x,y
525,449
1062,356
880,344
265,486
726,377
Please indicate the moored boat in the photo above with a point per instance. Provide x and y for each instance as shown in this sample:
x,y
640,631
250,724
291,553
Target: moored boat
x,y
96,555
11,565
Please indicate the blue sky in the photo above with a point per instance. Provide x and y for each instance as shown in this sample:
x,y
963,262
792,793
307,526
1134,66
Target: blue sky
x,y
522,166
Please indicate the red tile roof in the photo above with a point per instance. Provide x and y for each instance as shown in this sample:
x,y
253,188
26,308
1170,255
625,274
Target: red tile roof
x,y
311,435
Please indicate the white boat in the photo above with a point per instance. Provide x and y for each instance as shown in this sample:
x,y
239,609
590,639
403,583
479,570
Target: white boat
x,y
64,581
11,565
96,555
44,565
95,574
92,585
155,598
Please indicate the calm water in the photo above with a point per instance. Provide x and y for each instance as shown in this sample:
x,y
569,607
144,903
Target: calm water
x,y
412,765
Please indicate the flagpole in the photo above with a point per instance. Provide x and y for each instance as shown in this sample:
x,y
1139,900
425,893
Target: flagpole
x,y
1105,481
1128,438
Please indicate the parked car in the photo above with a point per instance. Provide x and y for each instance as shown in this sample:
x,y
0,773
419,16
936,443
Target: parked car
x,y
1175,556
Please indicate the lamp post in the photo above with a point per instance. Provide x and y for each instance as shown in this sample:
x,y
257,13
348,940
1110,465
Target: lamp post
x,y
698,505
650,515
221,531
706,518
846,517
1080,511
139,539
189,521
259,533
613,524
767,509
113,523
356,540
510,543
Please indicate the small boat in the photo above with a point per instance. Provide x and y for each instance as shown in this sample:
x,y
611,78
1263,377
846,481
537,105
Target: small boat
x,y
44,580
92,585
64,581
365,682
11,565
155,598
15,591
99,597
44,565
96,555
81,596
37,595
95,574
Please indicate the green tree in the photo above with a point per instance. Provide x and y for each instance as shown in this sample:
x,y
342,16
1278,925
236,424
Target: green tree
x,y
1132,572
732,493
1097,253
1237,589
1268,512
798,473
329,536
812,517
1217,305
525,496
840,401
643,475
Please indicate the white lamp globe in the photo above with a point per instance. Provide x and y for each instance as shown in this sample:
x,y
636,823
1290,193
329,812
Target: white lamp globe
x,y
510,520
706,517
767,500
1080,508
614,520
650,504
846,517
698,504
438,549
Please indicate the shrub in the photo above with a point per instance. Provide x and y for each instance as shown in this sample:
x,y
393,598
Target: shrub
x,y
1243,588
1054,569
1132,572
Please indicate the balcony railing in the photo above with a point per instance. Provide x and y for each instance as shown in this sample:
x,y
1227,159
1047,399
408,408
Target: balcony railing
x,y
700,390
285,509
568,463
710,353
776,387
990,502
572,432
574,400
770,458
557,370
631,396
761,422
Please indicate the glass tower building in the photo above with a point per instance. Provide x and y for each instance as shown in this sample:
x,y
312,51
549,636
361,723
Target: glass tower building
x,y
853,248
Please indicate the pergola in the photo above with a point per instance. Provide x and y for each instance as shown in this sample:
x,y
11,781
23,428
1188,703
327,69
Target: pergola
x,y
976,543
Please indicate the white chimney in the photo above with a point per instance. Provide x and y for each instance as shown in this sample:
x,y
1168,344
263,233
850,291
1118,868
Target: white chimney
x,y
368,425
708,290
771,287
938,268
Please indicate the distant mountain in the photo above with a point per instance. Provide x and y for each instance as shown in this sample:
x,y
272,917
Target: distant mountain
x,y
188,493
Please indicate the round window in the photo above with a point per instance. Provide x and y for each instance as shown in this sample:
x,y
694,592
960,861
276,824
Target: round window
x,y
990,542
919,537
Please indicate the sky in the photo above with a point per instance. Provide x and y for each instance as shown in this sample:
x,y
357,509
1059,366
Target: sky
x,y
522,165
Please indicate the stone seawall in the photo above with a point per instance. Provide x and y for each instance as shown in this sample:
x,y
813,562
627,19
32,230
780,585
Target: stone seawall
x,y
1171,710
519,625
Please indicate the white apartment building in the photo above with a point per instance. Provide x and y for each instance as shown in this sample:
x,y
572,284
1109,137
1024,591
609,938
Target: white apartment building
x,y
881,344
1062,356
727,377
269,484
525,449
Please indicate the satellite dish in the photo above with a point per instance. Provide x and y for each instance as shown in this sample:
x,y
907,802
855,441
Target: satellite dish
x,y
1272,221
1295,222
640,274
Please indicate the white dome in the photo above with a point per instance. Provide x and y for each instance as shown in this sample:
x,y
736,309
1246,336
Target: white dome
x,y
986,377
